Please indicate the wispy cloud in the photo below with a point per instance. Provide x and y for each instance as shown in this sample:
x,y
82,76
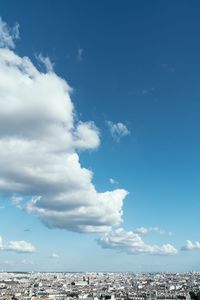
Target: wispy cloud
x,y
113,181
54,256
117,130
80,54
8,35
16,200
148,91
45,60
145,230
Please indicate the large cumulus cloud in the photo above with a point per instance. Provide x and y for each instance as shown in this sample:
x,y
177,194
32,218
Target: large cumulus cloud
x,y
39,145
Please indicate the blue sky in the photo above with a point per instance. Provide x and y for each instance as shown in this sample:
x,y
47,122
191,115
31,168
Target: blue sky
x,y
134,70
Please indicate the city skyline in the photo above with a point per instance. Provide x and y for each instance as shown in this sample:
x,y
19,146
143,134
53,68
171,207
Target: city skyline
x,y
99,136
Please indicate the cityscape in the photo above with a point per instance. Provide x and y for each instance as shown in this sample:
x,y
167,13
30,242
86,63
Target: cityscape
x,y
94,286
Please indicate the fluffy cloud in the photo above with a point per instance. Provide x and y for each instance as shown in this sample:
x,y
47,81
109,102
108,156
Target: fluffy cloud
x,y
117,130
191,246
17,246
54,255
144,230
40,138
131,243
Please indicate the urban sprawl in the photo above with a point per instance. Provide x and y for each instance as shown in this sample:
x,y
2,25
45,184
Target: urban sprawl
x,y
98,286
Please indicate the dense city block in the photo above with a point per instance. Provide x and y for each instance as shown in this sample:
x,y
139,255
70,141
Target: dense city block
x,y
94,286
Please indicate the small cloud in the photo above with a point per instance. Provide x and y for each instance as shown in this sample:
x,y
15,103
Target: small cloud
x,y
144,230
148,91
27,230
45,60
2,207
80,54
117,130
54,255
113,181
189,246
16,200
17,246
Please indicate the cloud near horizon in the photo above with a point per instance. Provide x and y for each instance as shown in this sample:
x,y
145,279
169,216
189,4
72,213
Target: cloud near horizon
x,y
189,246
39,145
131,243
17,246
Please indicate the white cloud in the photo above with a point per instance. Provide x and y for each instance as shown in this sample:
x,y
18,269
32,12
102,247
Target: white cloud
x,y
117,130
39,144
131,243
80,54
191,246
113,181
144,230
16,200
17,246
54,255
8,35
141,230
86,136
46,62
20,246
